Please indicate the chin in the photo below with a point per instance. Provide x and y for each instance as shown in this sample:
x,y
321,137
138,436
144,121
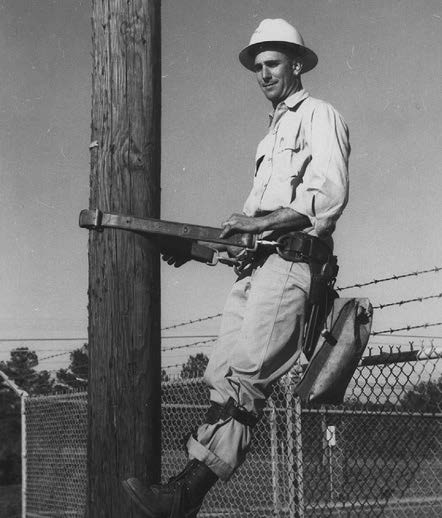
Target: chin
x,y
271,97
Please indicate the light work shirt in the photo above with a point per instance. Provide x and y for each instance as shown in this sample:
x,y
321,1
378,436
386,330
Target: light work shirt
x,y
302,163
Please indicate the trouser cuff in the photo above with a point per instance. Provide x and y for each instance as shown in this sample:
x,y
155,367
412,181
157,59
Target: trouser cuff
x,y
197,451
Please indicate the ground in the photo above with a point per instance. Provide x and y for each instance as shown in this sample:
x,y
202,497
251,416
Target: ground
x,y
10,506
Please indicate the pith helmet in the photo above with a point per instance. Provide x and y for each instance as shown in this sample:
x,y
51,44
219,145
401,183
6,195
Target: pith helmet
x,y
281,32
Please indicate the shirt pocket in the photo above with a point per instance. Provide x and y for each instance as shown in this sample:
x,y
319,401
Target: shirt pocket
x,y
291,158
288,156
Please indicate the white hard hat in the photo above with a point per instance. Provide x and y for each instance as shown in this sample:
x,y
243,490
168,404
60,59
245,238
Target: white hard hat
x,y
277,31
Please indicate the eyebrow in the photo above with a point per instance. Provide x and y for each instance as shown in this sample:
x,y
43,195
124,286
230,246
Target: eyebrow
x,y
268,62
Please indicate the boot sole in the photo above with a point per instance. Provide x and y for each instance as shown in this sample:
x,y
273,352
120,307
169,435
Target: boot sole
x,y
192,513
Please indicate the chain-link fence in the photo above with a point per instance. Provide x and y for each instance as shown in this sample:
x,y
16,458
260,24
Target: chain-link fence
x,y
378,454
56,461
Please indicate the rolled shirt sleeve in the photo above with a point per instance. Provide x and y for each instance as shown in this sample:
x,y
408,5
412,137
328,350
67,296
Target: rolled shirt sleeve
x,y
323,193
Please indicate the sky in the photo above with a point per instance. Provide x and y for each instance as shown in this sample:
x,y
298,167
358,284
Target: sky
x,y
379,66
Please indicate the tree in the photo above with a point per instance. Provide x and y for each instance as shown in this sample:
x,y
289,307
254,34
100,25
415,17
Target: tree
x,y
424,397
21,369
76,375
195,366
164,376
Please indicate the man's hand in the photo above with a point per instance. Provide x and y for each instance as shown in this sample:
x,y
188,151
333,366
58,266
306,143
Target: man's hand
x,y
175,252
284,218
240,224
175,260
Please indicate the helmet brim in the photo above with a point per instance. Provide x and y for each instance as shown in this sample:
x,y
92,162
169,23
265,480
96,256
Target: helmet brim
x,y
248,54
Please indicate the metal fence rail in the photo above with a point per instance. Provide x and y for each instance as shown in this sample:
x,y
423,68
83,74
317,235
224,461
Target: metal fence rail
x,y
378,454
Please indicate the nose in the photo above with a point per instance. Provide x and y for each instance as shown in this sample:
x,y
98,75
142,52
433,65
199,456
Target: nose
x,y
265,72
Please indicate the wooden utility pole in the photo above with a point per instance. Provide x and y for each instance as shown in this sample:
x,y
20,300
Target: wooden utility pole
x,y
124,276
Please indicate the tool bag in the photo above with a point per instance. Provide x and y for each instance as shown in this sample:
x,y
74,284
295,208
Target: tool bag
x,y
337,352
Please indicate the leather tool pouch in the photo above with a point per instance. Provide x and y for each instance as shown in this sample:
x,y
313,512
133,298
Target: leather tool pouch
x,y
337,353
320,300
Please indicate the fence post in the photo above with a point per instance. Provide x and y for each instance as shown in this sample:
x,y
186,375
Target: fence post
x,y
299,461
24,454
274,458
294,449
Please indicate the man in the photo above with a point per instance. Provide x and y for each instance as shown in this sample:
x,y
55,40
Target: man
x,y
300,184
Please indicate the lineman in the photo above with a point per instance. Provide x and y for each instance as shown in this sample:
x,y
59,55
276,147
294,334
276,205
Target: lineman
x,y
300,184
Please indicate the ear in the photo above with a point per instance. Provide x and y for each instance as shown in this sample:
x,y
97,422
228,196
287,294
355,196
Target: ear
x,y
297,67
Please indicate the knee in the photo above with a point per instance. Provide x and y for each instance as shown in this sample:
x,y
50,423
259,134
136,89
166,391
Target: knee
x,y
212,375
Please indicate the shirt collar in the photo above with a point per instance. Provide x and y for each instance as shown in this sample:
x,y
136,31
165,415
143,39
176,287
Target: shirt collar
x,y
296,98
293,100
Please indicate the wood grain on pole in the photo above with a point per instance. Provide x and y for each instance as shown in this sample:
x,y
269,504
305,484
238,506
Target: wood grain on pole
x,y
124,272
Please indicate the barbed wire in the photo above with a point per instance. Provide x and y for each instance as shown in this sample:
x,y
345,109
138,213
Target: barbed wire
x,y
173,366
357,285
391,278
188,322
185,346
426,337
38,350
408,328
61,339
401,302
204,342
174,337
53,356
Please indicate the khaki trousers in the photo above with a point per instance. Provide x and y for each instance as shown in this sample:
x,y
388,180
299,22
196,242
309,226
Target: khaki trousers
x,y
260,339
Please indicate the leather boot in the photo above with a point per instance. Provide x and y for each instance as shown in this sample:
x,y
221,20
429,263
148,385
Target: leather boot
x,y
181,497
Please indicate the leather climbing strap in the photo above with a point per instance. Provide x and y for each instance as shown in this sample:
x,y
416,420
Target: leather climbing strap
x,y
230,409
98,220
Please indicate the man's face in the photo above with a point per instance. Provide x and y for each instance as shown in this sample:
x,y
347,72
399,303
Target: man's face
x,y
278,74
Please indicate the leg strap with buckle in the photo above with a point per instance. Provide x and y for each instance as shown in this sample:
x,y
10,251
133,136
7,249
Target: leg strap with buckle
x,y
230,409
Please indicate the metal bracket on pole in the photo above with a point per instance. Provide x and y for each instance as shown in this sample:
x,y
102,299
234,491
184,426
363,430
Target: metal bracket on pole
x,y
98,220
91,219
172,236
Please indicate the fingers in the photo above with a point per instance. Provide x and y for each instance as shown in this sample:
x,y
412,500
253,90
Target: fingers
x,y
232,220
238,223
232,224
227,230
175,261
180,261
168,258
